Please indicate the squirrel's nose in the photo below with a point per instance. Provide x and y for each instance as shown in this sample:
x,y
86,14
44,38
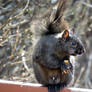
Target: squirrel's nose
x,y
81,50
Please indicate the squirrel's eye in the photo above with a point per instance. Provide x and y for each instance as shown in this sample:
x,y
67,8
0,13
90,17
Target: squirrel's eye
x,y
73,43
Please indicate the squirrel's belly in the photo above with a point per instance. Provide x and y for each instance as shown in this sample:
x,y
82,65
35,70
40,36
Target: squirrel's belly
x,y
45,75
50,76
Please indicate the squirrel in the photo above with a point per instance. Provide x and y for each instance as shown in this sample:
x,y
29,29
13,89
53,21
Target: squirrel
x,y
49,55
53,46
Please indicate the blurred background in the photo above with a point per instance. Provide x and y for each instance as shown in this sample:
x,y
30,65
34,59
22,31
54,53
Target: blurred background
x,y
16,36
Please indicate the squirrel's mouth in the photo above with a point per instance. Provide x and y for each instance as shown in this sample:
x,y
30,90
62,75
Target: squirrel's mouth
x,y
79,51
74,54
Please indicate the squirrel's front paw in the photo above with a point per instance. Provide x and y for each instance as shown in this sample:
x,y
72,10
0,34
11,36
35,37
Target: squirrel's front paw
x,y
66,65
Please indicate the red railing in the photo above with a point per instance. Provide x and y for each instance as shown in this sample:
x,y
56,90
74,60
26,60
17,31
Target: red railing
x,y
12,86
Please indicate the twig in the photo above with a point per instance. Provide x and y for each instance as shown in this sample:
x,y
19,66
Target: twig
x,y
17,39
49,9
86,4
11,18
78,79
24,61
87,73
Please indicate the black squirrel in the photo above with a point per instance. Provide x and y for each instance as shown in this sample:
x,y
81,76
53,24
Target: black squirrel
x,y
53,44
49,55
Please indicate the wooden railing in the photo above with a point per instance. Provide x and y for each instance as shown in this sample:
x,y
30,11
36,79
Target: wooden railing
x,y
12,86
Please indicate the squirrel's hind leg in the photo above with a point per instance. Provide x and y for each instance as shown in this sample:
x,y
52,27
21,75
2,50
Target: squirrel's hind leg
x,y
60,86
51,87
55,87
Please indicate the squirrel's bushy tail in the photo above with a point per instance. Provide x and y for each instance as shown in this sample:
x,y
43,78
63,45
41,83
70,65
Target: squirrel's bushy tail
x,y
41,27
38,28
58,24
62,5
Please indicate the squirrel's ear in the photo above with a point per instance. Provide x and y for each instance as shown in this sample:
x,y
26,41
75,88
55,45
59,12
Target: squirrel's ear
x,y
65,34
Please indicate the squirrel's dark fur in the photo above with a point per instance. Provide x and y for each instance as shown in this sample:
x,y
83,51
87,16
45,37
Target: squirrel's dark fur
x,y
51,47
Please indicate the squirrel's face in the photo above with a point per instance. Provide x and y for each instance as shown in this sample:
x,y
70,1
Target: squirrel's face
x,y
71,44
